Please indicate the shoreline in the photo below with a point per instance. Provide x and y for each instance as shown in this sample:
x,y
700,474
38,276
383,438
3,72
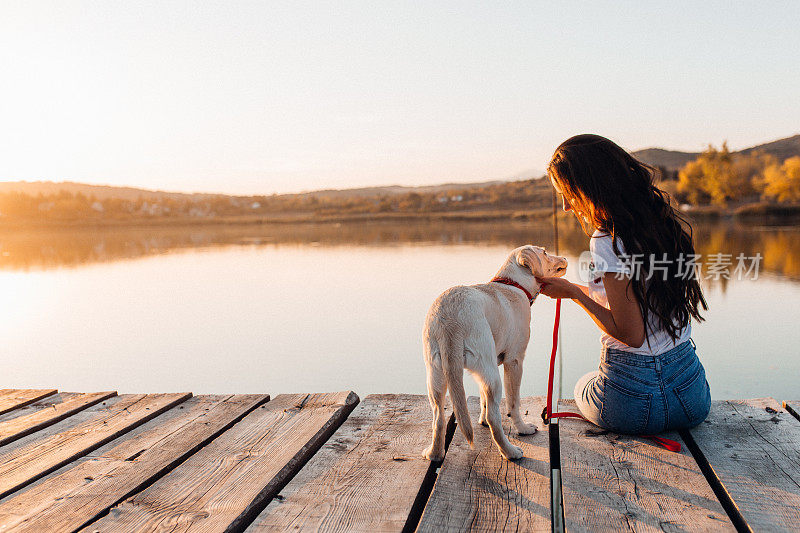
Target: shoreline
x,y
767,212
541,214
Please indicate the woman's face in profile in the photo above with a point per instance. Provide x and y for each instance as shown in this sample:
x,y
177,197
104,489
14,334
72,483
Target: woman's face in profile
x,y
567,205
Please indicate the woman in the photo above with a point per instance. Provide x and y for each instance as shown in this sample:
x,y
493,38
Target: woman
x,y
642,292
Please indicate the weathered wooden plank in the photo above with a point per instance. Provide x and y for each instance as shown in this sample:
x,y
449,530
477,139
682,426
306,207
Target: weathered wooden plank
x,y
21,466
45,403
14,398
73,498
226,484
614,482
59,427
753,447
365,478
478,490
16,428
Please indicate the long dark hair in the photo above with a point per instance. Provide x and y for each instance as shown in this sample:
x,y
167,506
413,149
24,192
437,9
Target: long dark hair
x,y
617,193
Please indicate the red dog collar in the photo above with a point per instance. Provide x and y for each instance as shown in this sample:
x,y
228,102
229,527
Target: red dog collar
x,y
506,281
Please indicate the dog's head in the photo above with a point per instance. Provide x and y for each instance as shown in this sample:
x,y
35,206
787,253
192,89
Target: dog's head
x,y
539,262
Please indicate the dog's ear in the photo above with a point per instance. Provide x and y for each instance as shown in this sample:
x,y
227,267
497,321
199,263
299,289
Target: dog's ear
x,y
530,258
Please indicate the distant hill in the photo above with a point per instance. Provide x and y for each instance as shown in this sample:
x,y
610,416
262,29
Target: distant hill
x,y
782,148
669,159
48,203
673,160
365,192
101,192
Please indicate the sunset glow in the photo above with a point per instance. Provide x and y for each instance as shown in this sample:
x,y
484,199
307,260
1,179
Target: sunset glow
x,y
254,98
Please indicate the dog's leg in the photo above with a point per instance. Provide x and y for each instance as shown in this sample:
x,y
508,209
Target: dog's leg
x,y
512,375
437,388
483,420
493,389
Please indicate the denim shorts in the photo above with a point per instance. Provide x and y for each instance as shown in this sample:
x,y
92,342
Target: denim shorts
x,y
644,394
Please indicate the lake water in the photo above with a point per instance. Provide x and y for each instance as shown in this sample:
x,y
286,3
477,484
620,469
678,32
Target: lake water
x,y
313,308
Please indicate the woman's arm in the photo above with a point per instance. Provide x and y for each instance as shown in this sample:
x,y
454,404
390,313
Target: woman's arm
x,y
622,320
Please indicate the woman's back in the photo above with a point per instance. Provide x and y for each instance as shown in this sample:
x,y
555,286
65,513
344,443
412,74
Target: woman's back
x,y
606,261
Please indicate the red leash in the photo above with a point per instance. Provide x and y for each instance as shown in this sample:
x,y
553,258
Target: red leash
x,y
548,414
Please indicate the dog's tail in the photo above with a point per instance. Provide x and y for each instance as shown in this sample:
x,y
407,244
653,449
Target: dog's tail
x,y
452,351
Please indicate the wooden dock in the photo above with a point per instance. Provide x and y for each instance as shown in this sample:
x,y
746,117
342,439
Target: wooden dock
x,y
329,462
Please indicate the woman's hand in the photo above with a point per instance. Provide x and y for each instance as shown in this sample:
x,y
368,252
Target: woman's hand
x,y
558,288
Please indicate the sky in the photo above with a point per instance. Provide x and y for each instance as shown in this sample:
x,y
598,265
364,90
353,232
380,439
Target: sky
x,y
262,97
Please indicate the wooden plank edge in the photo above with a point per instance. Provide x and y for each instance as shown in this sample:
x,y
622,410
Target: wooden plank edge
x,y
557,517
293,466
791,411
176,463
722,494
86,451
426,488
59,418
44,394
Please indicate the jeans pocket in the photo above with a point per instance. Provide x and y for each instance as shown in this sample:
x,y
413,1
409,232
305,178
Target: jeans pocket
x,y
624,410
694,395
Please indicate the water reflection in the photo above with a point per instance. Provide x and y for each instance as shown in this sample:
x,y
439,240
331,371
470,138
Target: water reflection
x,y
255,304
46,249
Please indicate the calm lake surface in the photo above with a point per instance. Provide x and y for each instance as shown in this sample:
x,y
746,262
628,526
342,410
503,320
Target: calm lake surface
x,y
312,308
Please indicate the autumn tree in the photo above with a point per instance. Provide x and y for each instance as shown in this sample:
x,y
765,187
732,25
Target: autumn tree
x,y
411,202
719,176
691,183
782,182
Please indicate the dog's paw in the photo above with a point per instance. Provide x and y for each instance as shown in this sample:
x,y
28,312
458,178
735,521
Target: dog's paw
x,y
431,456
515,452
525,429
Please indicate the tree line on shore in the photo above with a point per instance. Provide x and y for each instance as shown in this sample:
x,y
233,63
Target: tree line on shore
x,y
66,206
717,177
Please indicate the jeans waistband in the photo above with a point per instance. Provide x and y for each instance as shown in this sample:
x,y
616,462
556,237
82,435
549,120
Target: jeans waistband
x,y
648,361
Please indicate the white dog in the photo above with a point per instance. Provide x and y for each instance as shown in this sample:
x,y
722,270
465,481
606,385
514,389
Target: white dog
x,y
480,327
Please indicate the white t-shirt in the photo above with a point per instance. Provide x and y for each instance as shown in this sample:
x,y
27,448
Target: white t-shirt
x,y
605,261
